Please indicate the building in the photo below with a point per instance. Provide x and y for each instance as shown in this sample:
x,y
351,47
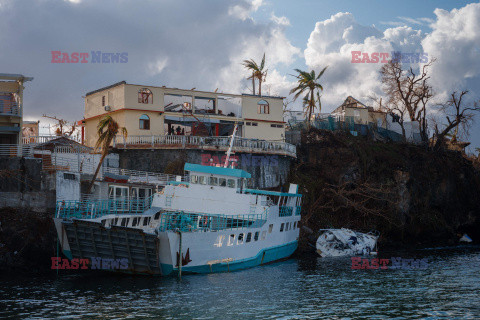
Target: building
x,y
30,130
161,111
11,107
359,113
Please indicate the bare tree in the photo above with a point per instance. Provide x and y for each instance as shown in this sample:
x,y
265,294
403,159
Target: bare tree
x,y
457,116
407,93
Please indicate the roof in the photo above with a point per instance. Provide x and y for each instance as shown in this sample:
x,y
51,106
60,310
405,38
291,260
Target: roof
x,y
13,76
217,170
107,87
61,141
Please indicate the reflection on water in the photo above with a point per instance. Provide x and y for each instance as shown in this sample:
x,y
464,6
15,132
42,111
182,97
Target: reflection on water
x,y
303,288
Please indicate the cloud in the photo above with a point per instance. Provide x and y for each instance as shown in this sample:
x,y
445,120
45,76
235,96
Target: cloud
x,y
179,43
454,42
280,20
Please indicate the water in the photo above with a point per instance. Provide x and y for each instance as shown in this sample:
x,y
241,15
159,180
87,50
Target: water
x,y
304,288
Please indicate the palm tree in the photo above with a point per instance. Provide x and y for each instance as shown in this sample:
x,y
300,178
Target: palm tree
x,y
308,83
257,73
107,129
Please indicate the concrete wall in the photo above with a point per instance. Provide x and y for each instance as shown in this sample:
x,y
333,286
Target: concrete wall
x,y
23,184
268,171
67,185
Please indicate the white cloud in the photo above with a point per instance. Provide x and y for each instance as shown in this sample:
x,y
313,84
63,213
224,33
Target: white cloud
x,y
280,20
180,43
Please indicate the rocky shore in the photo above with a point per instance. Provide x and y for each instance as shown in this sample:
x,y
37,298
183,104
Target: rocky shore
x,y
415,197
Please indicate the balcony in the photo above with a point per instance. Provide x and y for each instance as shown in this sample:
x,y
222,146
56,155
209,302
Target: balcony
x,y
9,108
211,143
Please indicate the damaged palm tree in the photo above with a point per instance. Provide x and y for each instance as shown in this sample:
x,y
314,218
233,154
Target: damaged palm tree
x,y
309,83
258,73
107,129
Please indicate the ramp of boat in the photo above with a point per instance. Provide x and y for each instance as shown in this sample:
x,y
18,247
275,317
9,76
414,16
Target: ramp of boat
x,y
92,240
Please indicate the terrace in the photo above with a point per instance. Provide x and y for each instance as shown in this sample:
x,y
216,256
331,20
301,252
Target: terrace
x,y
212,143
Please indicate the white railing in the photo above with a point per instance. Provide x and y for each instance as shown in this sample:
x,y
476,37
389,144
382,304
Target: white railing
x,y
43,139
53,162
252,145
15,150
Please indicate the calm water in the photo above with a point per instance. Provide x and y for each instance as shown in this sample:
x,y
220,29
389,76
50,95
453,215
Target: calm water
x,y
305,288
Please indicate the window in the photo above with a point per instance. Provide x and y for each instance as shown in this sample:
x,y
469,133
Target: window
x,y
135,221
249,237
69,176
264,235
270,228
256,235
124,222
231,183
146,221
248,123
254,124
240,238
103,101
276,125
282,227
222,182
213,181
295,225
145,96
144,122
157,215
194,179
263,107
115,222
202,179
231,240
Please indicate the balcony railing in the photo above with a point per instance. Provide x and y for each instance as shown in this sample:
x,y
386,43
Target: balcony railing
x,y
9,107
240,144
43,139
15,150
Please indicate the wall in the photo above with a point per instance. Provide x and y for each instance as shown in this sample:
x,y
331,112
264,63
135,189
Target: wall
x,y
67,189
23,184
268,171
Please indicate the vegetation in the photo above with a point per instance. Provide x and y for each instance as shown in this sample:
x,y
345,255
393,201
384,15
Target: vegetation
x,y
308,84
107,129
258,73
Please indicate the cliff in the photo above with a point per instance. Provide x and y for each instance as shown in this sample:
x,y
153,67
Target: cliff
x,y
413,196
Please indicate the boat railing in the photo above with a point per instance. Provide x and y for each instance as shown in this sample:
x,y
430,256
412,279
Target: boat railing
x,y
92,209
285,211
298,210
194,222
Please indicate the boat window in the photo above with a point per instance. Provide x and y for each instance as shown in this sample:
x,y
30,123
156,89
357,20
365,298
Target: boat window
x,y
134,222
194,179
202,179
295,225
240,238
115,221
213,181
231,183
146,221
256,235
222,182
157,215
124,220
231,240
282,226
264,235
104,222
249,237
270,228
287,227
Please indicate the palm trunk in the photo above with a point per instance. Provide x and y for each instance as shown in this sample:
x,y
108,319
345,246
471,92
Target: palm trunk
x,y
253,83
104,154
260,86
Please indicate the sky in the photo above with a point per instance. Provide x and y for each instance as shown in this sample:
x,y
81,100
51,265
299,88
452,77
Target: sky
x,y
201,44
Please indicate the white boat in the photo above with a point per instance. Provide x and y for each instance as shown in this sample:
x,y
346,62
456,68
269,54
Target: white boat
x,y
345,242
213,223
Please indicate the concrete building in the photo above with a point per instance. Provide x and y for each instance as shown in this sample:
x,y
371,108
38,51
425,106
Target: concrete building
x,y
160,111
353,109
11,107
